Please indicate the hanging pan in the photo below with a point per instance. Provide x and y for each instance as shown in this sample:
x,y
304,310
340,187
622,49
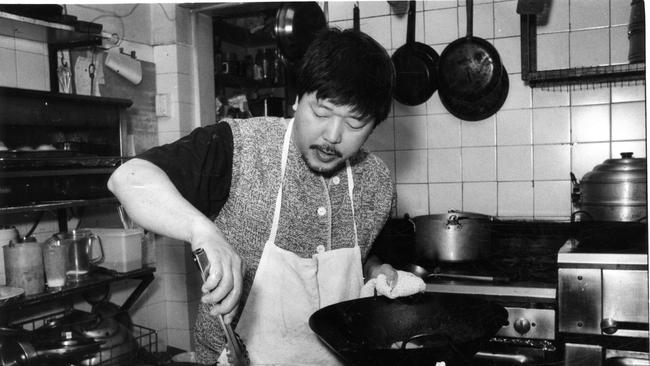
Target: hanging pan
x,y
479,108
470,67
416,66
296,25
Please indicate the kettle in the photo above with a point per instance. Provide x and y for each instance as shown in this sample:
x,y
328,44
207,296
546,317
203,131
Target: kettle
x,y
80,248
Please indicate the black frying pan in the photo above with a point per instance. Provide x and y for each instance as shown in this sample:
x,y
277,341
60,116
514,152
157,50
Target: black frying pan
x,y
480,108
416,65
470,67
414,330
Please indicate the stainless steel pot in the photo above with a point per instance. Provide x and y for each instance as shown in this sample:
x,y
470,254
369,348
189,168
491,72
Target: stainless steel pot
x,y
452,237
296,25
613,191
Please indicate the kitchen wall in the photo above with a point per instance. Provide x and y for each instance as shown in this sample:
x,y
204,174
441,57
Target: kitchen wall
x,y
517,162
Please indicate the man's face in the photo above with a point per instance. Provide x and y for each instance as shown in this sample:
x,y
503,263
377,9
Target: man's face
x,y
327,134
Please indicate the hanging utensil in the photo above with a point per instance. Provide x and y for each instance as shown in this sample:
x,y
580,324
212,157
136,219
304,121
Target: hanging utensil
x,y
296,25
416,67
470,67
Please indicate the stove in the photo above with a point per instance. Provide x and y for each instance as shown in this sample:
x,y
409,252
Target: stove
x,y
522,263
603,294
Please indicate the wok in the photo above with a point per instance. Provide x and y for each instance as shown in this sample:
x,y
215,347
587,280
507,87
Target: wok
x,y
415,330
416,67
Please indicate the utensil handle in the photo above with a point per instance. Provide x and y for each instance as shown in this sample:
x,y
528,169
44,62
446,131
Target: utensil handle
x,y
95,239
470,18
410,23
233,342
355,17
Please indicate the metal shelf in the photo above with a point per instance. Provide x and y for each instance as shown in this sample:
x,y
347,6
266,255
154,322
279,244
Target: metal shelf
x,y
18,26
576,78
57,205
587,75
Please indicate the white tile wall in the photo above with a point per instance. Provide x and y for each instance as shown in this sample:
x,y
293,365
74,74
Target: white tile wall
x,y
517,162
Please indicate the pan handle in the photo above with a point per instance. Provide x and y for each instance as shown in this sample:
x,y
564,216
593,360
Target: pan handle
x,y
410,23
470,17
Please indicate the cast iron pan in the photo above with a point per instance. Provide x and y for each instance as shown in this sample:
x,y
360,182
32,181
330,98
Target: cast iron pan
x,y
414,330
479,108
470,67
416,65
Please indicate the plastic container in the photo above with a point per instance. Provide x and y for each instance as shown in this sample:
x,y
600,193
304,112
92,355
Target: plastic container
x,y
122,248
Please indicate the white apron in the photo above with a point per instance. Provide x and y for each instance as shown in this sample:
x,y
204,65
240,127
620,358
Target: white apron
x,y
287,289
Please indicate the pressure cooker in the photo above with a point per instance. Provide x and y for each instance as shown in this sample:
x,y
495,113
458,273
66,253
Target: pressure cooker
x,y
612,191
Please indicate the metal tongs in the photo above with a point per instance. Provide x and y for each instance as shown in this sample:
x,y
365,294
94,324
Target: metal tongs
x,y
237,354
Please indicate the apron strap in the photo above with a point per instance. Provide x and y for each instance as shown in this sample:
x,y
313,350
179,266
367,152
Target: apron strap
x,y
348,169
283,168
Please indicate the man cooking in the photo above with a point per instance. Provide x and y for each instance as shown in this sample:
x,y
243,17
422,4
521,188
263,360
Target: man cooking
x,y
286,210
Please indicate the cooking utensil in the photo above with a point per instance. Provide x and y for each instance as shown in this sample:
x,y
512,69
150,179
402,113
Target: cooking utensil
x,y
356,23
480,108
424,274
413,330
470,67
452,237
296,24
237,354
614,190
416,67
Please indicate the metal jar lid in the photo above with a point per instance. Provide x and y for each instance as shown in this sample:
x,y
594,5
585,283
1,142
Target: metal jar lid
x,y
625,169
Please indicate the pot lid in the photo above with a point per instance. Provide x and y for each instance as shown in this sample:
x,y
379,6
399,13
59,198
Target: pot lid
x,y
625,169
459,214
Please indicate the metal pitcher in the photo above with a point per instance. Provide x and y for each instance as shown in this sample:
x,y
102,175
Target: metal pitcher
x,y
80,244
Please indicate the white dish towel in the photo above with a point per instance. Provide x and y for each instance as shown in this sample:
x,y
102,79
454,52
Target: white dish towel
x,y
407,284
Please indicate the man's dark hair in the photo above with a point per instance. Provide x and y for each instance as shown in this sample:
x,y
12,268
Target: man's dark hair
x,y
348,68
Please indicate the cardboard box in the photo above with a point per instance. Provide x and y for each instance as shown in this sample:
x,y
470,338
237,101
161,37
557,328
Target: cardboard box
x,y
122,248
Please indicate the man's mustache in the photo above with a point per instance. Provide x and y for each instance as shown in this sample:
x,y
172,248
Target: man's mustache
x,y
328,149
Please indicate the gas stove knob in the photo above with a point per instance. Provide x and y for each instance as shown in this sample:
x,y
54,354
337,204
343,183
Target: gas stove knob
x,y
608,326
522,325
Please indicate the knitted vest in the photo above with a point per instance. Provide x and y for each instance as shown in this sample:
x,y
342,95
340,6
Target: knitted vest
x,y
246,217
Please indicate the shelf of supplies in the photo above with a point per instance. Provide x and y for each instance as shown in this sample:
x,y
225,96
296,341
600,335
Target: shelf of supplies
x,y
98,279
22,27
56,205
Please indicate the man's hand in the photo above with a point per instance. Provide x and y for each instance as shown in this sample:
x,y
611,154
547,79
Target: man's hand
x,y
223,286
385,269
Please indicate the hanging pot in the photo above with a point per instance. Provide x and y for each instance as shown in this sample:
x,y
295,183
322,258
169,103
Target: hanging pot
x,y
481,107
296,25
416,67
470,67
614,190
